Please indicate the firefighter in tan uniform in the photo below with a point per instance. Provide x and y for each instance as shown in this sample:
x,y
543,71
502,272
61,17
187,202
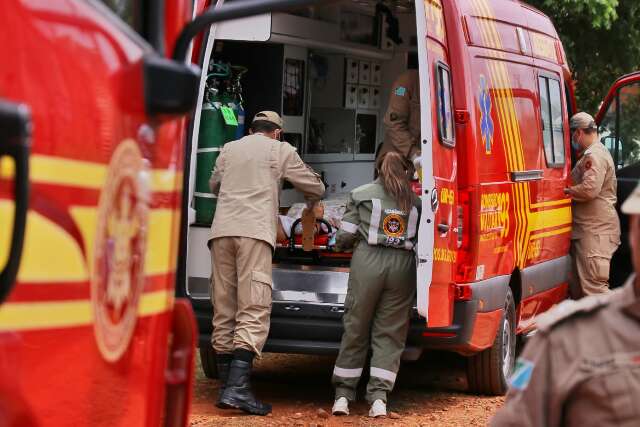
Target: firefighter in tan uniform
x,y
402,119
246,178
381,221
582,368
596,228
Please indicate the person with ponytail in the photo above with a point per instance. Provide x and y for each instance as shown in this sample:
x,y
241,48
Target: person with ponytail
x,y
380,224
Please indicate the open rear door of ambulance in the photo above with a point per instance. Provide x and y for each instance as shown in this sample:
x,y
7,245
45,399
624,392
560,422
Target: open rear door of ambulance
x,y
424,261
620,132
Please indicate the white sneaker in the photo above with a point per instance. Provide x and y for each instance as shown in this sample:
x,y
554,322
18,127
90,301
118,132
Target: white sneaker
x,y
378,409
341,406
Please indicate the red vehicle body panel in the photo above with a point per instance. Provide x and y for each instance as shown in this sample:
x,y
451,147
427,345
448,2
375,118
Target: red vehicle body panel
x,y
87,332
512,228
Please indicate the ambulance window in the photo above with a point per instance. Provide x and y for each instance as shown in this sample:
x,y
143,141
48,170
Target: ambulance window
x,y
552,118
445,116
130,11
620,128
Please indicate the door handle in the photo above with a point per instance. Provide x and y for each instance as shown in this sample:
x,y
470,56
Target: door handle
x,y
443,228
15,139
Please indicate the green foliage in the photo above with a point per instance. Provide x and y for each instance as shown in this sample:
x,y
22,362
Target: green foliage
x,y
601,39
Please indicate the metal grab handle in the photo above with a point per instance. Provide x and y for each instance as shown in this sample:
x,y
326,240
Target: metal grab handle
x,y
292,234
443,228
15,136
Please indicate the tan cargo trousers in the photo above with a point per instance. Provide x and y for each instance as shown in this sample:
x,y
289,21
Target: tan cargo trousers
x,y
241,293
591,259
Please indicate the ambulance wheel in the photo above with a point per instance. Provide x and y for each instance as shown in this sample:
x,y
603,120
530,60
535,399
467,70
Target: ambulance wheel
x,y
488,371
208,359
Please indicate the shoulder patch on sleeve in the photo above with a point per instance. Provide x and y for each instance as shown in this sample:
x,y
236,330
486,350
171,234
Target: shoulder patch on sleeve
x,y
568,308
587,164
401,91
522,374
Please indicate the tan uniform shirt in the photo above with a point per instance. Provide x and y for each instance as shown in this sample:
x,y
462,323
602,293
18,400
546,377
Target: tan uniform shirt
x,y
247,178
594,194
402,120
582,368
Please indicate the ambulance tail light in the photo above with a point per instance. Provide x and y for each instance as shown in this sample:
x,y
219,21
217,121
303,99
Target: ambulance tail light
x,y
179,372
462,292
464,213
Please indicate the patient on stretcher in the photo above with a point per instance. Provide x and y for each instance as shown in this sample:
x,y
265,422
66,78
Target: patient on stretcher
x,y
329,210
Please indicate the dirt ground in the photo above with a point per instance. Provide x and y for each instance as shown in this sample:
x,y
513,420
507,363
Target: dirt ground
x,y
430,392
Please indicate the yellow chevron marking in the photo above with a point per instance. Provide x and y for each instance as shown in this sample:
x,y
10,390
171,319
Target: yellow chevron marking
x,y
49,252
79,174
551,233
67,314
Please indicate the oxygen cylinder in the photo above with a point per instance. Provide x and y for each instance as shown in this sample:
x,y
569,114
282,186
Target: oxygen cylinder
x,y
230,131
241,118
211,138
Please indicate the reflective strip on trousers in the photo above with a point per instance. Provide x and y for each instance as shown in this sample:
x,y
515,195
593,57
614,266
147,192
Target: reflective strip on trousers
x,y
346,372
384,374
376,211
348,227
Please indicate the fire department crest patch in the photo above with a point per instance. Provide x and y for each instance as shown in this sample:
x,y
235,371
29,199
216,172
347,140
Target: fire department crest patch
x,y
117,276
393,225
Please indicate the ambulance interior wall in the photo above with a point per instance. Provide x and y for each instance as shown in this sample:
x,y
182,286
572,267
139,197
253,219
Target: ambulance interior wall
x,y
262,83
263,89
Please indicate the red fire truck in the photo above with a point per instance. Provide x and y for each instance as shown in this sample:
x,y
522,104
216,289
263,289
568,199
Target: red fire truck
x,y
92,130
494,236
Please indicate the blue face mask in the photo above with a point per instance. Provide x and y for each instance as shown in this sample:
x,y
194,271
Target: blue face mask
x,y
574,143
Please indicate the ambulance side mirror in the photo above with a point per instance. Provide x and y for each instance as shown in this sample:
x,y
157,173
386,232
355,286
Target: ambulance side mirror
x,y
169,87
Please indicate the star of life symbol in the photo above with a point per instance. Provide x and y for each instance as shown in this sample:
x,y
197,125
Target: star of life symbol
x,y
117,275
486,122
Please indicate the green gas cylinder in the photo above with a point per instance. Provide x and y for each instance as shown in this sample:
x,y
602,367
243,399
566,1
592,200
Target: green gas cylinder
x,y
210,141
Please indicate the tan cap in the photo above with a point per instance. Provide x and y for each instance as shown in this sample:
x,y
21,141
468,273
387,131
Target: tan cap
x,y
268,116
631,206
582,121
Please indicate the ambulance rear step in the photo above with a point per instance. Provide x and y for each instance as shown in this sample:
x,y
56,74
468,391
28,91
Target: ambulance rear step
x,y
309,290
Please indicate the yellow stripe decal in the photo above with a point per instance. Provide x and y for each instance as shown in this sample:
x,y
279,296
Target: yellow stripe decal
x,y
79,174
158,259
551,233
550,218
550,203
67,314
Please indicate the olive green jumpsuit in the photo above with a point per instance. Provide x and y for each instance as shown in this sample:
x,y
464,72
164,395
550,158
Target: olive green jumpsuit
x,y
380,292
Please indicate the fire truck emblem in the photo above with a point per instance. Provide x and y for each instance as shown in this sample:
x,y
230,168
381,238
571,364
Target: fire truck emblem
x,y
118,264
393,225
486,122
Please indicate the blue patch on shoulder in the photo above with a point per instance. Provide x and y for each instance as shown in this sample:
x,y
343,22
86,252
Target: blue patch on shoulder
x,y
401,91
521,374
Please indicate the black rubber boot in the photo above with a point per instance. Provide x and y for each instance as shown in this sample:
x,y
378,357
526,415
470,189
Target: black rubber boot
x,y
223,376
238,392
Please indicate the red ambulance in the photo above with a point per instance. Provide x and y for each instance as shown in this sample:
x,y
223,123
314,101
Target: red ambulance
x,y
496,97
92,131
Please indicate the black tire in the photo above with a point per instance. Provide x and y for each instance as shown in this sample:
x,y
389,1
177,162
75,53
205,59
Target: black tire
x,y
489,371
208,360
